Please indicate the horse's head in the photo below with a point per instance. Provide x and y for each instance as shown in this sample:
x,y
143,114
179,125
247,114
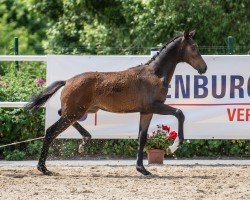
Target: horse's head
x,y
190,53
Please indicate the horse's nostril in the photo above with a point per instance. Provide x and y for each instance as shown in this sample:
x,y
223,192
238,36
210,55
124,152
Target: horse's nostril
x,y
205,69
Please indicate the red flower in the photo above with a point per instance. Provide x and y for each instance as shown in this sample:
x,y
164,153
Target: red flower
x,y
165,128
172,135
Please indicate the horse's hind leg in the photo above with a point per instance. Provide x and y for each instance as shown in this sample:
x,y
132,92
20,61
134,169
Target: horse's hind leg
x,y
85,134
143,130
51,133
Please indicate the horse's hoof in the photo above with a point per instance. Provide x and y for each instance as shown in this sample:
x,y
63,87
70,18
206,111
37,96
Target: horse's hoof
x,y
48,173
142,170
81,148
44,170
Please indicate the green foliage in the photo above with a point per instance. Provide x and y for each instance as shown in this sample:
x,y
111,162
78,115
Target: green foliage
x,y
33,149
68,149
120,26
128,148
20,19
16,124
20,85
135,26
213,148
119,147
14,155
125,148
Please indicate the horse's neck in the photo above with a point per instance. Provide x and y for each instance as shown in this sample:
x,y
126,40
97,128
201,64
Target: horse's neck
x,y
165,64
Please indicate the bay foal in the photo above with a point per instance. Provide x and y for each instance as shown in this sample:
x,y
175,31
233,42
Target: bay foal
x,y
140,89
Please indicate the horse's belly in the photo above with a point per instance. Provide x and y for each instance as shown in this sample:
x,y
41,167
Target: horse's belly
x,y
120,103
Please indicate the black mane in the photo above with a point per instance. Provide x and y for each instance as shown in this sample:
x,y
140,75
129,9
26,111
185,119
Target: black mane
x,y
161,49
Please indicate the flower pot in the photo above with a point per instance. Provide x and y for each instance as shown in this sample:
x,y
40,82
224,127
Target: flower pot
x,y
155,156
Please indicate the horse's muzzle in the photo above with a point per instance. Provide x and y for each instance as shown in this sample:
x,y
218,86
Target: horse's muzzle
x,y
202,69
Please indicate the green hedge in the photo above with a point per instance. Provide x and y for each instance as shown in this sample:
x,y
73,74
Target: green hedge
x,y
67,149
17,125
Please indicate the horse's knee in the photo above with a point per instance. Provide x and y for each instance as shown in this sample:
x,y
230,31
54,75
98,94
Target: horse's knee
x,y
180,115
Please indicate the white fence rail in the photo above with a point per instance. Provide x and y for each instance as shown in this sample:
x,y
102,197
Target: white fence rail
x,y
12,104
19,58
23,58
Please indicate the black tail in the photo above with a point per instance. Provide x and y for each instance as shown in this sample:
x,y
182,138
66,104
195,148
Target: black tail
x,y
40,99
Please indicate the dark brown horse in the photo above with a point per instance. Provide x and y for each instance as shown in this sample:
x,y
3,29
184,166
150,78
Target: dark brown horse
x,y
138,89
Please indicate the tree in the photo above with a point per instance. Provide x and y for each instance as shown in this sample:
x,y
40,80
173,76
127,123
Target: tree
x,y
121,26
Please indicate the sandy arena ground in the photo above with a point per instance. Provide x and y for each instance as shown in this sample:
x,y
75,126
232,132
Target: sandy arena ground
x,y
123,182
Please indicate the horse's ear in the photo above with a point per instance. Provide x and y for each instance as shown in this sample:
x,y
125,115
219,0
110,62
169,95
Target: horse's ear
x,y
186,34
192,33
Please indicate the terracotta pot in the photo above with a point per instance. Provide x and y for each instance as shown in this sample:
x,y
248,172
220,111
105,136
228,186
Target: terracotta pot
x,y
155,156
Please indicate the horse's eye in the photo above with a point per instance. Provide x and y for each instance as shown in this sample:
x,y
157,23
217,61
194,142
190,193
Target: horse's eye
x,y
193,48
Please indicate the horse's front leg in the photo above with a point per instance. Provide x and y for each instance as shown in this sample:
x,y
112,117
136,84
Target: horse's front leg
x,y
145,120
163,109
